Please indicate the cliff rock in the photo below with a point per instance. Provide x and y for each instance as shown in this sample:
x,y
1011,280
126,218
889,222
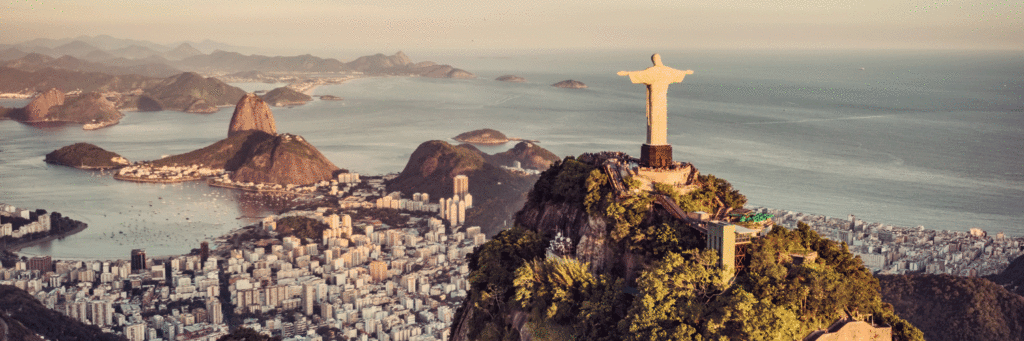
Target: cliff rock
x,y
39,108
252,113
285,96
85,156
570,84
88,108
285,159
511,78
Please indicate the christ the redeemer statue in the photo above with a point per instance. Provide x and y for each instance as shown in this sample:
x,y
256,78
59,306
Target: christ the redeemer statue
x,y
656,152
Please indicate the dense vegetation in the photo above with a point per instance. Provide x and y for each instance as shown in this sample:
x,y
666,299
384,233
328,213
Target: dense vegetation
x,y
1012,278
83,155
493,270
497,193
713,194
301,227
956,308
246,334
18,305
680,292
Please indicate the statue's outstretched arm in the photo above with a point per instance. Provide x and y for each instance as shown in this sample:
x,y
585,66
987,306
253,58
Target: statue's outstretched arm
x,y
623,73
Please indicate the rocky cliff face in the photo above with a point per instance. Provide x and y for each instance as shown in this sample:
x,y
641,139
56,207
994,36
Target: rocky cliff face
x,y
285,159
39,108
252,113
588,233
89,108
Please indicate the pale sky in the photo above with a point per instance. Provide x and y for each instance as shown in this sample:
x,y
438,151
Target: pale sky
x,y
390,25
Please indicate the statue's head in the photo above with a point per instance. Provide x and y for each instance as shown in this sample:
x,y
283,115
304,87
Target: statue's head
x,y
656,58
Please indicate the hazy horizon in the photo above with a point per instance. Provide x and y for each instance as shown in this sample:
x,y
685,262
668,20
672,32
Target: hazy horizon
x,y
332,28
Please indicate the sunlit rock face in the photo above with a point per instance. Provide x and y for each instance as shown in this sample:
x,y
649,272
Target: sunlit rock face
x,y
251,113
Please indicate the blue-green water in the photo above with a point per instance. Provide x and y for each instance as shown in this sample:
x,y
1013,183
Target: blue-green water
x,y
906,138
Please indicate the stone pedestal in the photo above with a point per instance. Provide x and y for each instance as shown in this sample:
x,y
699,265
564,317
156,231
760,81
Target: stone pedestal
x,y
657,156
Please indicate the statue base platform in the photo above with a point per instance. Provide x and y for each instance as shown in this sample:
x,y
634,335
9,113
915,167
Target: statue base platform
x,y
659,156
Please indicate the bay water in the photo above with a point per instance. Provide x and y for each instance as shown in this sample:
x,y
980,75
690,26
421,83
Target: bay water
x,y
933,138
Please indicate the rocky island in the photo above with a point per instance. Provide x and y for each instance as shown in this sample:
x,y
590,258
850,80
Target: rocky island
x,y
285,96
482,136
511,78
330,98
91,109
85,156
570,84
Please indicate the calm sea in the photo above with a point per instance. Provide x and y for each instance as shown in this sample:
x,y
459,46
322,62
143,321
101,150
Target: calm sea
x,y
905,138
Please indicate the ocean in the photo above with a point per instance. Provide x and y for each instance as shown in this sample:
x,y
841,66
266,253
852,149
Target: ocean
x,y
908,138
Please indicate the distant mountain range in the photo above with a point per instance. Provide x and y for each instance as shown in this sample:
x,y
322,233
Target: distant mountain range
x,y
116,56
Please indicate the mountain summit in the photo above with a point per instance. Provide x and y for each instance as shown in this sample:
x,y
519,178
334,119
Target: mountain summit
x,y
252,113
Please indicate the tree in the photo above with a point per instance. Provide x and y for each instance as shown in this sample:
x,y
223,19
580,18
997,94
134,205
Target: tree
x,y
492,271
554,286
674,297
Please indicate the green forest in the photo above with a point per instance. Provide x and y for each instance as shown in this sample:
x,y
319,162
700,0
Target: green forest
x,y
680,293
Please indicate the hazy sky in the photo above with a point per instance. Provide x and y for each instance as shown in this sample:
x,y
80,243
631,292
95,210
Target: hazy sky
x,y
526,24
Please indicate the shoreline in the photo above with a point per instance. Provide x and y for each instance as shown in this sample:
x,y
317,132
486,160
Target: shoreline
x,y
214,183
16,248
496,143
159,180
215,242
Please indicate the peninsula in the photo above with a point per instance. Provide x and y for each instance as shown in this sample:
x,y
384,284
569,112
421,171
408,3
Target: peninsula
x,y
93,110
